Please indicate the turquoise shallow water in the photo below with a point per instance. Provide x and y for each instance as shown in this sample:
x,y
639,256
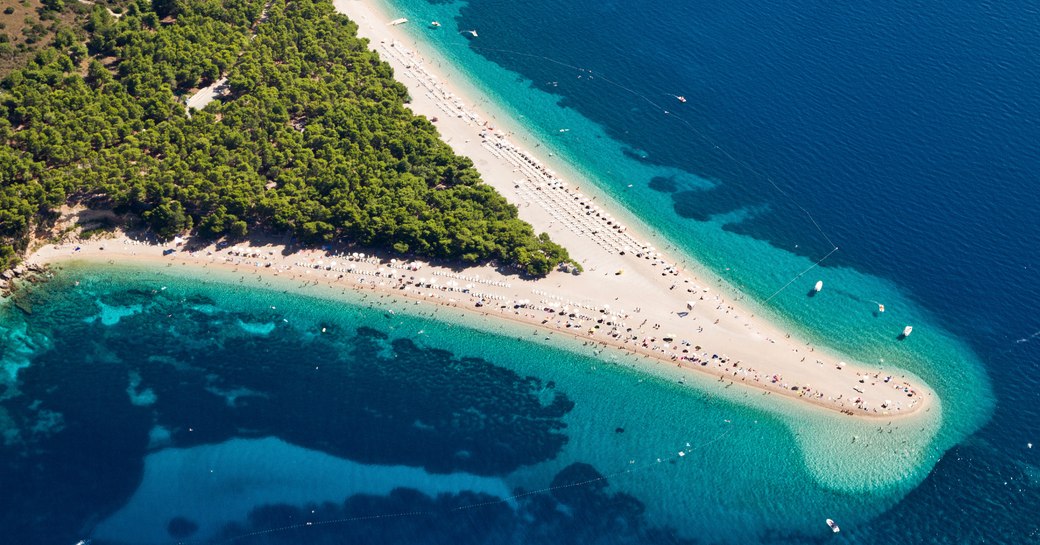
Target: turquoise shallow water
x,y
905,130
198,403
845,317
156,406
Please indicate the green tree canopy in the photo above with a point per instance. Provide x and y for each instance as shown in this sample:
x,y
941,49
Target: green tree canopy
x,y
313,138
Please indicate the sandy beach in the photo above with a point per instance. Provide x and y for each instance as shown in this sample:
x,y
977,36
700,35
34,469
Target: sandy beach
x,y
632,296
738,349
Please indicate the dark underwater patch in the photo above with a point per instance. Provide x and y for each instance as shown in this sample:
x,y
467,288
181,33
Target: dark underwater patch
x,y
579,510
663,184
358,394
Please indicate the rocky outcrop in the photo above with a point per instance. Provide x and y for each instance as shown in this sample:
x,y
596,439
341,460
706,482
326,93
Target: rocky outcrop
x,y
30,272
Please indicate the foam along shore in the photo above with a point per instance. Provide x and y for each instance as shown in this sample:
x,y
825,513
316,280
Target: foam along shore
x,y
631,296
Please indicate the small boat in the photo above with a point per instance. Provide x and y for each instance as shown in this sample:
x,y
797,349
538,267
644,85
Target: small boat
x,y
833,525
434,24
472,33
680,98
906,332
819,286
400,21
880,307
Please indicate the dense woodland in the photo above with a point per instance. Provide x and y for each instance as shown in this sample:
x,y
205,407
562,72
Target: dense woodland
x,y
313,138
29,26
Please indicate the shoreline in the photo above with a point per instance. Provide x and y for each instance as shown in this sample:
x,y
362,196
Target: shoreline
x,y
485,294
464,135
672,315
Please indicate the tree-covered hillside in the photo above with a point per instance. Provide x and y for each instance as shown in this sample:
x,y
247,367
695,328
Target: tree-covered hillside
x,y
313,139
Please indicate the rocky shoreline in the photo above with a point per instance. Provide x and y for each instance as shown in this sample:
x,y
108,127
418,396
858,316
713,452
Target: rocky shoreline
x,y
31,272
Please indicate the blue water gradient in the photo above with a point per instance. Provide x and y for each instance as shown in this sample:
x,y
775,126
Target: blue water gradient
x,y
153,407
907,130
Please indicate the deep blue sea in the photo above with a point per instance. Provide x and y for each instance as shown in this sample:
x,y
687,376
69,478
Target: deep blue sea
x,y
904,133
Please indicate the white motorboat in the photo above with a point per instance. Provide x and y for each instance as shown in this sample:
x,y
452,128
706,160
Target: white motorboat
x,y
819,286
907,331
833,525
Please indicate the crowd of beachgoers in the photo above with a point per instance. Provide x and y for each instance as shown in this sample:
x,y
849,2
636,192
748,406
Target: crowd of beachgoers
x,y
492,294
535,182
672,316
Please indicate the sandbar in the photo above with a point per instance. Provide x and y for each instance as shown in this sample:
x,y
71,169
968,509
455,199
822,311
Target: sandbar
x,y
632,296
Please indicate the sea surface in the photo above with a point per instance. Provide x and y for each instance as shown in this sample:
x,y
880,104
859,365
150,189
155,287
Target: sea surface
x,y
144,406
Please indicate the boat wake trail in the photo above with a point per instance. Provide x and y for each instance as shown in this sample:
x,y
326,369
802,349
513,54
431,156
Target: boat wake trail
x,y
1029,338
